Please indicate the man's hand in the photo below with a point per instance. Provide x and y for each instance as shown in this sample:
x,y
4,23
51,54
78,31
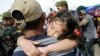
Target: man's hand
x,y
28,47
43,50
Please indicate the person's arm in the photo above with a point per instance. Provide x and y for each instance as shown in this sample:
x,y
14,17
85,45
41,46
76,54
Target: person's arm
x,y
28,46
65,44
62,45
83,22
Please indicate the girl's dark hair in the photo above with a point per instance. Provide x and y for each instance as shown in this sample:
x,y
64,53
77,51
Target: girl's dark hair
x,y
68,17
71,25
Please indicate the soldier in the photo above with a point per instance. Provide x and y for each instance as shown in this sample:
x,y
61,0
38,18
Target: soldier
x,y
62,7
7,19
8,30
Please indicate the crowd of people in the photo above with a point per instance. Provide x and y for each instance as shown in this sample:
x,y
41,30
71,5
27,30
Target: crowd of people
x,y
31,32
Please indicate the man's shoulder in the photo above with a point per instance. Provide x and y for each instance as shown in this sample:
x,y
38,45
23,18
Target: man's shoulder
x,y
89,16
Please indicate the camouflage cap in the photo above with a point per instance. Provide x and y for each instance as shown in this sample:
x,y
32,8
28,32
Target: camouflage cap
x,y
6,14
61,3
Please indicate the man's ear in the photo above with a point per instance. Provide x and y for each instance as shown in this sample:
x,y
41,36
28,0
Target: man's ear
x,y
17,15
42,18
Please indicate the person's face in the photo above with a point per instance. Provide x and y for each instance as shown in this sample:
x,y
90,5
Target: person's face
x,y
61,8
8,22
56,28
80,16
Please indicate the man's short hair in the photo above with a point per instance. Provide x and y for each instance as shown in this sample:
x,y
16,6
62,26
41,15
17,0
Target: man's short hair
x,y
32,25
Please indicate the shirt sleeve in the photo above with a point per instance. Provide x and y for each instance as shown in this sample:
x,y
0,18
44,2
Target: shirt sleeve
x,y
84,21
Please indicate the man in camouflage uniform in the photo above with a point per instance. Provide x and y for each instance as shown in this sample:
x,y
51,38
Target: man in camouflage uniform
x,y
7,33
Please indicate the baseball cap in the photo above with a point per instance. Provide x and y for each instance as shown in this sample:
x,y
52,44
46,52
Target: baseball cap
x,y
26,11
30,9
81,9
